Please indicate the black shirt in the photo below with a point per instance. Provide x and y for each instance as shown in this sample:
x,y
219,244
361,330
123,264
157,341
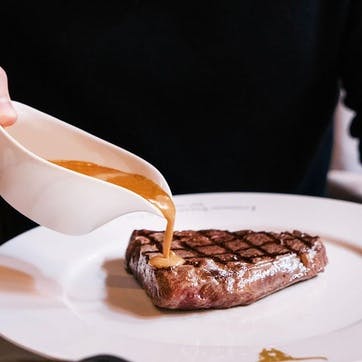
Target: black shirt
x,y
218,95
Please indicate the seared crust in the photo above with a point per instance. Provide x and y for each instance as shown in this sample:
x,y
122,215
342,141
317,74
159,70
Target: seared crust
x,y
222,268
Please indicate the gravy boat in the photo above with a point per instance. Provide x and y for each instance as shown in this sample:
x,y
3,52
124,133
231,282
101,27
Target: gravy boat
x,y
58,198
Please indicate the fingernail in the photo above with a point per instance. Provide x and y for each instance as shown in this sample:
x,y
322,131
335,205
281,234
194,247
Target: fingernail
x,y
7,113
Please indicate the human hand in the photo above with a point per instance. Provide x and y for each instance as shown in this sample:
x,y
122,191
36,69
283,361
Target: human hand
x,y
7,112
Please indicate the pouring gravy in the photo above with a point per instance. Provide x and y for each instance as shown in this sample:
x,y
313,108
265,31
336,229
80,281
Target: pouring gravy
x,y
143,187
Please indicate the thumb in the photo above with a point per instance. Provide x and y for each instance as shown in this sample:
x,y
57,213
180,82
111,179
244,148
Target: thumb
x,y
7,112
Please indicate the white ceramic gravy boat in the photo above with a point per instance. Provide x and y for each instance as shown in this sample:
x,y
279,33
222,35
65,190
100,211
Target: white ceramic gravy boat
x,y
58,198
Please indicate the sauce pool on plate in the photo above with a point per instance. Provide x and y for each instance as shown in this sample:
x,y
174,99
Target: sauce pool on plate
x,y
142,186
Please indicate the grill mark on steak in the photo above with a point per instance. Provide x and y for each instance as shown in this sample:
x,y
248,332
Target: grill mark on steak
x,y
217,248
223,268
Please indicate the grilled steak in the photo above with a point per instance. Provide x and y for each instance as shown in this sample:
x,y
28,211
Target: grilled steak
x,y
223,269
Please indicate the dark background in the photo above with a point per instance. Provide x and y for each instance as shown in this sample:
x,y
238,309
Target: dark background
x,y
219,96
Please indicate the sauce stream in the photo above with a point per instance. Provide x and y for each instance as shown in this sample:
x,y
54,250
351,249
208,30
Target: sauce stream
x,y
142,186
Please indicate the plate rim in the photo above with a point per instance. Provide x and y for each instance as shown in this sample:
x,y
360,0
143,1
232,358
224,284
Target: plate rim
x,y
180,197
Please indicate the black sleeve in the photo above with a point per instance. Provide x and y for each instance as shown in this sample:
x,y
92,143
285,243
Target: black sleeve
x,y
351,68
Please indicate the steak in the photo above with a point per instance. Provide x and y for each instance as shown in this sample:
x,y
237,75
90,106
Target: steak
x,y
223,268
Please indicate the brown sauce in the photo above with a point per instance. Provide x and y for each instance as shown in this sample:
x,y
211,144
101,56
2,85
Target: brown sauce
x,y
141,186
274,355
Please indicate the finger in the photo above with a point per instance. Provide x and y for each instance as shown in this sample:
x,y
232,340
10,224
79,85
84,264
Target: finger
x,y
7,112
4,90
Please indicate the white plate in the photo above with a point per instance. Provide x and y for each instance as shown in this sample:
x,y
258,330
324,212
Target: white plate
x,y
70,297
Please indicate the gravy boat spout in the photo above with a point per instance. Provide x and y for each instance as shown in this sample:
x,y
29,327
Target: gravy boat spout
x,y
58,198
